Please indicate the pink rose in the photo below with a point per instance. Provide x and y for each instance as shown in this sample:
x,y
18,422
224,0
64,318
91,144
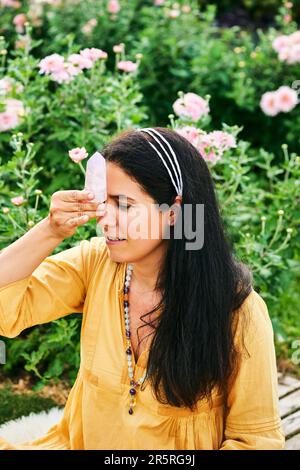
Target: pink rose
x,y
77,154
191,106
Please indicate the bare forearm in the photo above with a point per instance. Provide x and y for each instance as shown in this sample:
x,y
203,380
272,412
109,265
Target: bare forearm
x,y
23,256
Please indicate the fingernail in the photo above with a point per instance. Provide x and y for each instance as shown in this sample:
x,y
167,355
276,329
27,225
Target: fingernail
x,y
91,196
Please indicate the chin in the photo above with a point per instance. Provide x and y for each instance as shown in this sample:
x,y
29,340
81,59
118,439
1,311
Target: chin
x,y
115,256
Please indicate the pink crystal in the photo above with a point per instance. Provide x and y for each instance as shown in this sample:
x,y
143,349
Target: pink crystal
x,y
95,176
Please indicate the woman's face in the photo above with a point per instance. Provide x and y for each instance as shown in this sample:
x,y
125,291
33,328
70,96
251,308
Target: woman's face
x,y
132,215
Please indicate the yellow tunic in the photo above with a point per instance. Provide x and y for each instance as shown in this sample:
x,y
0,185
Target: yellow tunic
x,y
84,279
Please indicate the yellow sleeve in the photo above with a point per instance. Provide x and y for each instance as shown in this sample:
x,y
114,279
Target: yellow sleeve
x,y
57,287
252,420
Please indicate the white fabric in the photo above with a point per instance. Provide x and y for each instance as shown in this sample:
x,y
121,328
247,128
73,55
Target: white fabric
x,y
31,427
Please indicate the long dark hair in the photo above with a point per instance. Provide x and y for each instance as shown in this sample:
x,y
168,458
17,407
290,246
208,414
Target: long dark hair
x,y
193,347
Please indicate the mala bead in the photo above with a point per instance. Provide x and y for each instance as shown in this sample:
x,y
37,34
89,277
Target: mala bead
x,y
133,383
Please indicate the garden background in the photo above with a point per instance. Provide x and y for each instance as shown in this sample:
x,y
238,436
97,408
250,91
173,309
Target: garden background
x,y
224,74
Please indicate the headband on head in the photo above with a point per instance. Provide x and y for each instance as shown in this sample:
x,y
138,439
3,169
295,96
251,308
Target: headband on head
x,y
178,184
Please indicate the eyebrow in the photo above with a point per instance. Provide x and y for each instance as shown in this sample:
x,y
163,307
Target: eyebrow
x,y
117,196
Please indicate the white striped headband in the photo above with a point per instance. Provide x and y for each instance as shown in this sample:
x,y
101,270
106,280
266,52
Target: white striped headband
x,y
178,184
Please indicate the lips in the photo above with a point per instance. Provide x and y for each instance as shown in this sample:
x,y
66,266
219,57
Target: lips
x,y
114,239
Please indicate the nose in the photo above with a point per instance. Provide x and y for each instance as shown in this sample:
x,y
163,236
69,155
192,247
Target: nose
x,y
109,218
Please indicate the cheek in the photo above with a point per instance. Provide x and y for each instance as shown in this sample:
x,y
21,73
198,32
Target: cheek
x,y
145,224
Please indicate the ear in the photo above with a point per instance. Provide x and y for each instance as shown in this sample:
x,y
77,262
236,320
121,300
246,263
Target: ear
x,y
175,210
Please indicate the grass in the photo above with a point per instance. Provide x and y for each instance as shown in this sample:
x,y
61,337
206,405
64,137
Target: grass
x,y
14,405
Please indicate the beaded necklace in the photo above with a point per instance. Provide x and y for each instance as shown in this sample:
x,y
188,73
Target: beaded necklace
x,y
134,384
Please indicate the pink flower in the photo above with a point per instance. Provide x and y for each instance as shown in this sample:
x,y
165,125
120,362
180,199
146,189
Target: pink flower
x,y
14,106
118,48
191,133
70,70
22,43
294,54
52,64
113,6
127,66
10,117
88,27
77,154
281,42
18,200
191,106
282,100
288,47
287,98
174,13
8,120
93,54
206,152
5,85
80,62
212,145
222,140
295,37
269,103
66,74
10,3
186,8
159,2
19,21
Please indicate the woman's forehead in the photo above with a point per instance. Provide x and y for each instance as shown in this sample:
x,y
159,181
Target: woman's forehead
x,y
121,185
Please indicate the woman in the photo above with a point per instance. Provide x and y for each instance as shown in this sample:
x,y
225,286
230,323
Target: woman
x,y
203,375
